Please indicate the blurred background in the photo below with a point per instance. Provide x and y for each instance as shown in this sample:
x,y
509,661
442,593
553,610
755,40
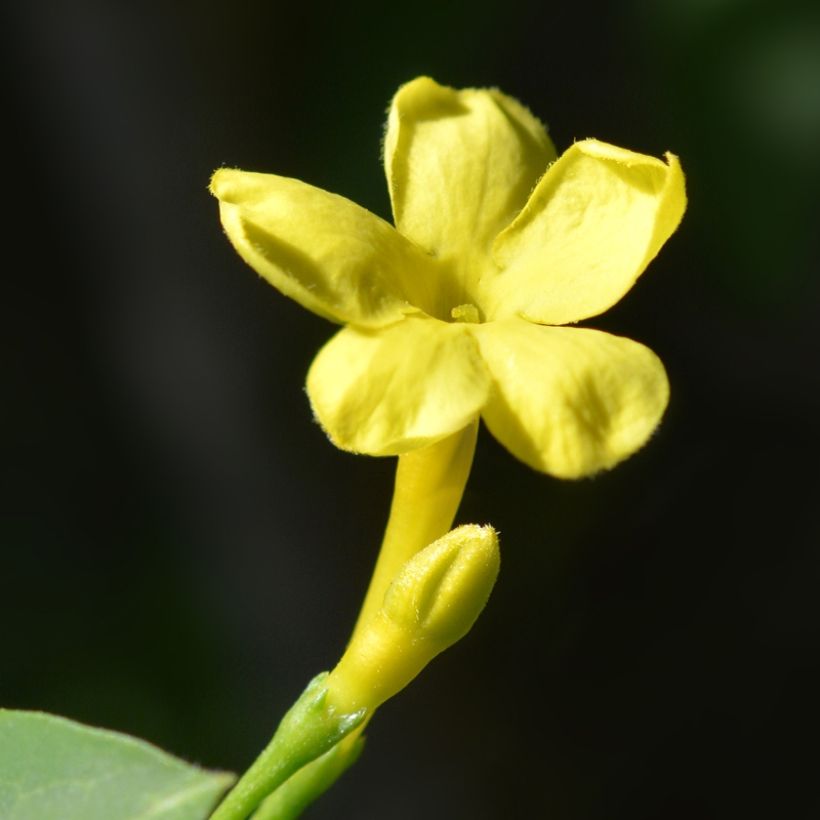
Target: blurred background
x,y
182,549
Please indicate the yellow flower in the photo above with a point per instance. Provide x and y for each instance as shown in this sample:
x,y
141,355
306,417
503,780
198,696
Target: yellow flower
x,y
455,313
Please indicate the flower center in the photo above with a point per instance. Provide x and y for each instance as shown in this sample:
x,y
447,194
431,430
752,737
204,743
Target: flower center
x,y
465,313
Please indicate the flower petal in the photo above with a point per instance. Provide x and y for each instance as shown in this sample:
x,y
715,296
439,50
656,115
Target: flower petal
x,y
460,165
394,389
570,401
593,223
333,257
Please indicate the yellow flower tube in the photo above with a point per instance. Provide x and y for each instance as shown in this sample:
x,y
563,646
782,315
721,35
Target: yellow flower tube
x,y
429,485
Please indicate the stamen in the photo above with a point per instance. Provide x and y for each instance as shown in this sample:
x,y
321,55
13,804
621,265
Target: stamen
x,y
466,313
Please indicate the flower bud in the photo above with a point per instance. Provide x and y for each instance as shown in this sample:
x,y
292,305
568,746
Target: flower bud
x,y
433,602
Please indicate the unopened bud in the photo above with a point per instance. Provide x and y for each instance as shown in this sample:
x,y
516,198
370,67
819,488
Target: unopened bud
x,y
432,603
441,591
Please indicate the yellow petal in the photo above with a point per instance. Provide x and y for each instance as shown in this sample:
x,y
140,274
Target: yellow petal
x,y
333,257
394,389
593,223
460,165
570,401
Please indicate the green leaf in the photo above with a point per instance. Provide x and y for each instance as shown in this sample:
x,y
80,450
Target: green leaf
x,y
54,769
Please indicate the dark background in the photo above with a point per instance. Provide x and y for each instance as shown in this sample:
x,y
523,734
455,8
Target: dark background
x,y
181,547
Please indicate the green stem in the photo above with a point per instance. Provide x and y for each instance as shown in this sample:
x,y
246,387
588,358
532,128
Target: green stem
x,y
310,782
308,730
